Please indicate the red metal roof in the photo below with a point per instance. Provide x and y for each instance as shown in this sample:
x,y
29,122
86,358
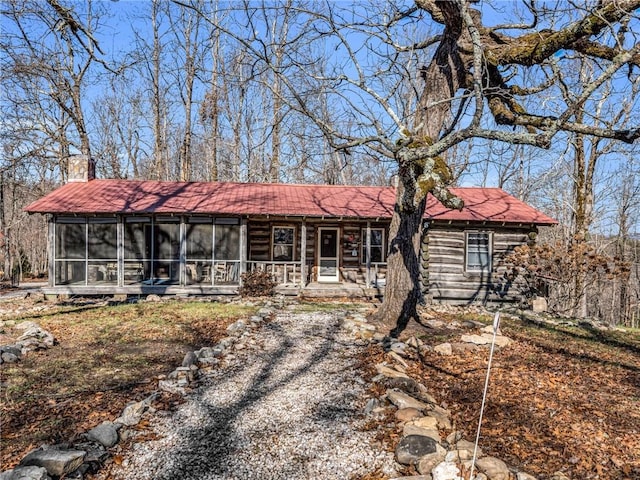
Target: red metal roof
x,y
136,196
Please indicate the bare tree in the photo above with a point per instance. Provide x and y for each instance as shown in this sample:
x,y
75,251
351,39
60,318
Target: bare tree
x,y
49,53
474,72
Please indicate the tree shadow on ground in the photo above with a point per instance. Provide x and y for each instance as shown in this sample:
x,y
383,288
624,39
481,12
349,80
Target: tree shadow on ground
x,y
211,443
589,335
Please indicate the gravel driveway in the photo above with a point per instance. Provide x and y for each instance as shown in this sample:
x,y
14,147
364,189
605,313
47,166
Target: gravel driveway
x,y
287,406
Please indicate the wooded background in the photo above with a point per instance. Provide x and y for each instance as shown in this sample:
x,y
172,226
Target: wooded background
x,y
255,92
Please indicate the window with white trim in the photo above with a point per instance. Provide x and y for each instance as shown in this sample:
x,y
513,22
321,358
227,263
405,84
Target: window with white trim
x,y
478,252
283,241
377,245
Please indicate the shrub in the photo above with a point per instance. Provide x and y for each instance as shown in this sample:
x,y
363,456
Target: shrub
x,y
257,283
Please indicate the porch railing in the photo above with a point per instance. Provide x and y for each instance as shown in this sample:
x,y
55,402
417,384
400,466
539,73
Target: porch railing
x,y
283,273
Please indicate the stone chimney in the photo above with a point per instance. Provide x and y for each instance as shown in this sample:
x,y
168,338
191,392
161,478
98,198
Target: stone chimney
x,y
394,180
81,168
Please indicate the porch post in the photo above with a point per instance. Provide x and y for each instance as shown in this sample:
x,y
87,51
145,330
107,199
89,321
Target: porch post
x,y
303,253
182,267
243,247
368,253
52,250
120,250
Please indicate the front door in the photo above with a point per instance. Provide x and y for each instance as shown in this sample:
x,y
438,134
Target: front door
x,y
328,255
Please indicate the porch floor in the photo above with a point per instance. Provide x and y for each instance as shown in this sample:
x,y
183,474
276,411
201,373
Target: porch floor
x,y
350,290
311,290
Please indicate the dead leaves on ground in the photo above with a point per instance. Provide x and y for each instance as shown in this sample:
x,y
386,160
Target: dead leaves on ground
x,y
105,358
558,399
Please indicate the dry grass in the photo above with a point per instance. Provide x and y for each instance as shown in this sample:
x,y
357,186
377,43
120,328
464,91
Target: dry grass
x,y
106,356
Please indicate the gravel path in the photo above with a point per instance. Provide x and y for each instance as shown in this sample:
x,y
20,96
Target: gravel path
x,y
289,406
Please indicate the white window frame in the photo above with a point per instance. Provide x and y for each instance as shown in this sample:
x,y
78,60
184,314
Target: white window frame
x,y
467,250
273,242
363,249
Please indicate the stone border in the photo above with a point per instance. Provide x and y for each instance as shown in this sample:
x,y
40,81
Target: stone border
x,y
73,461
423,421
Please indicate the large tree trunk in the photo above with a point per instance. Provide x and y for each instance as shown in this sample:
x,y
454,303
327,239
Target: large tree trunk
x,y
403,290
444,76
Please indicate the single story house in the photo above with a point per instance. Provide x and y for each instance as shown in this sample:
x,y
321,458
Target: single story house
x,y
140,237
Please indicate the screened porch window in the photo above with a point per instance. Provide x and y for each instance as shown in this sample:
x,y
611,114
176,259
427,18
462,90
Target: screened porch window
x,y
283,243
377,245
213,251
70,251
86,251
199,250
152,251
137,250
102,249
166,251
478,257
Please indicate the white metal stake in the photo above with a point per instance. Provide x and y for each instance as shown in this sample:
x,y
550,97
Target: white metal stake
x,y
496,325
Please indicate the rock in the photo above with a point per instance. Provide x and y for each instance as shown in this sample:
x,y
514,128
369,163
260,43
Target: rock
x,y
132,413
460,347
433,323
265,312
477,339
427,422
96,453
409,386
406,414
410,429
237,326
428,462
488,329
402,400
454,437
539,305
524,476
398,358
105,434
26,473
34,338
559,476
486,339
443,419
8,357
26,325
502,341
372,404
443,349
57,462
79,473
446,471
390,372
11,349
411,448
468,446
494,468
189,359
379,337
170,386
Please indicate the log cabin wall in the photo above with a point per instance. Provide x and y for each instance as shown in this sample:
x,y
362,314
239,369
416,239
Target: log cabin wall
x,y
352,268
443,264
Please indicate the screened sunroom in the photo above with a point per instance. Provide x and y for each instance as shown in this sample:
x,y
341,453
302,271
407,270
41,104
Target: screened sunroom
x,y
146,251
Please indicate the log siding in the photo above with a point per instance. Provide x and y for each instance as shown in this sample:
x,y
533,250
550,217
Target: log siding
x,y
445,278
